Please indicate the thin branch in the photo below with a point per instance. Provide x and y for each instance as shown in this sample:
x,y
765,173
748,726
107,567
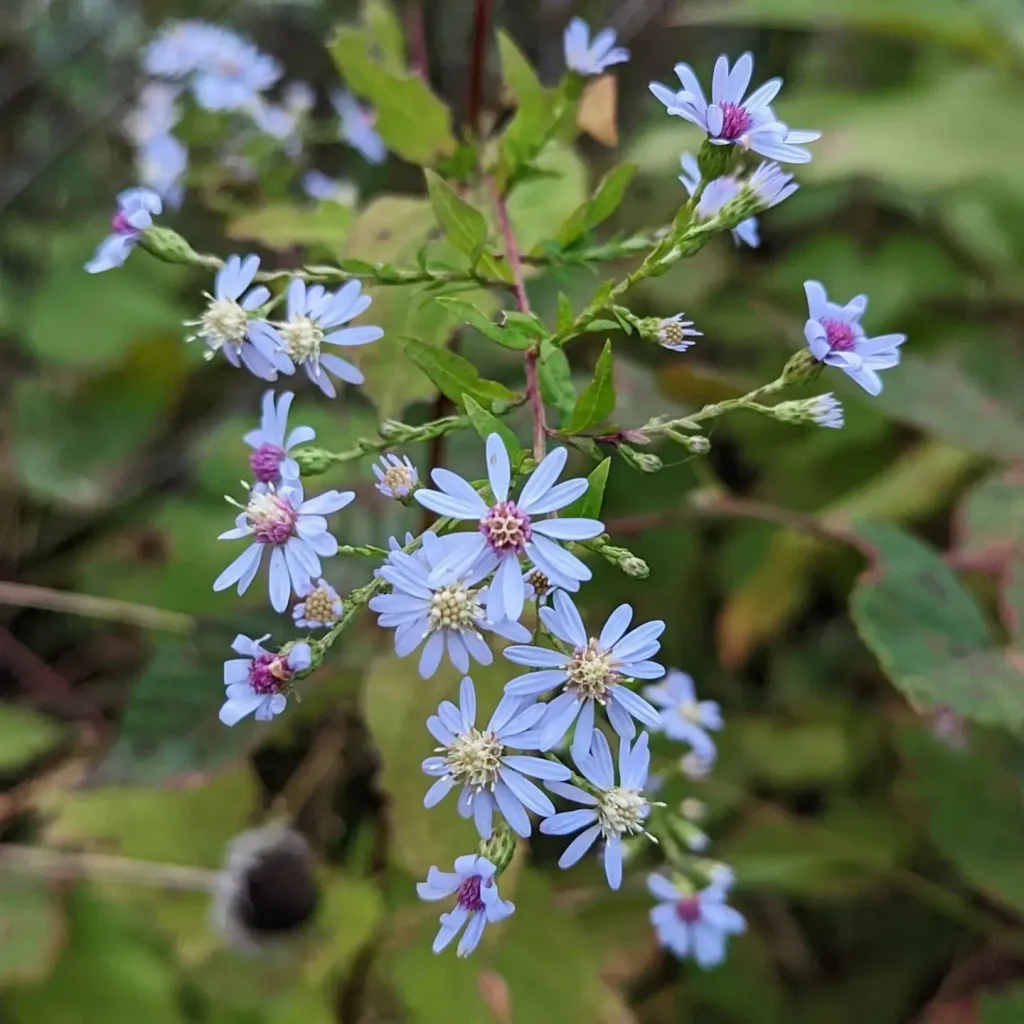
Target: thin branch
x,y
477,65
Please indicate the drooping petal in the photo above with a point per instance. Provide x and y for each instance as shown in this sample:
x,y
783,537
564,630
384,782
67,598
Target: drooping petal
x,y
499,470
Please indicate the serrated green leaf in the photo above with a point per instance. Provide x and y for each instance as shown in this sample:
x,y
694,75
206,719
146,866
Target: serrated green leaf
x,y
284,225
589,505
411,120
597,401
486,423
468,313
455,376
555,377
600,207
929,634
463,225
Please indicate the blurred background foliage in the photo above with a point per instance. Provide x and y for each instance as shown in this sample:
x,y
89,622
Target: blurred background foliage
x,y
854,598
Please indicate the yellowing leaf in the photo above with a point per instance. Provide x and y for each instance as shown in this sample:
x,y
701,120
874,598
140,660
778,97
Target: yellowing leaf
x,y
598,113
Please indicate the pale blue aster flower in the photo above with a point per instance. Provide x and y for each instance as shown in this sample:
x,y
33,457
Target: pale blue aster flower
x,y
509,530
675,332
284,120
319,186
771,184
448,615
225,325
683,717
695,767
693,924
161,163
269,460
320,607
479,762
478,904
294,530
136,208
356,127
730,118
615,810
183,47
313,318
234,76
835,337
155,113
587,57
256,682
593,674
396,477
827,411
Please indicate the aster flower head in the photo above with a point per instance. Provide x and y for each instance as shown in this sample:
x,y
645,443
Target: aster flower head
x,y
683,717
675,332
475,887
769,183
396,477
161,162
319,186
233,74
449,615
356,127
225,325
257,682
295,532
729,118
283,121
691,923
587,57
592,675
320,607
827,411
136,208
479,762
509,530
155,113
609,811
313,318
835,337
269,461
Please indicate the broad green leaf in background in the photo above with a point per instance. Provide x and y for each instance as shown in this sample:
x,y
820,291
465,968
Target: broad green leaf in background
x,y
990,519
929,634
535,206
31,928
25,737
486,423
600,206
385,29
454,375
112,311
589,506
411,120
1002,1008
535,115
282,226
597,401
463,224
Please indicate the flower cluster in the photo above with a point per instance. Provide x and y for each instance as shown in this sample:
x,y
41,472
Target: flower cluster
x,y
510,555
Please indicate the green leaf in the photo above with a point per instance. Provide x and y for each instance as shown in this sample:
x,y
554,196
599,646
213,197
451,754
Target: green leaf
x,y
929,634
598,399
385,29
25,736
600,207
486,423
411,120
468,313
589,505
535,116
537,205
31,928
974,811
555,376
529,323
1002,1008
464,225
282,226
990,520
566,317
454,375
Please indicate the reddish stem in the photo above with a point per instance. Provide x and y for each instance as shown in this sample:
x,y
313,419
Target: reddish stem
x,y
477,62
515,263
417,33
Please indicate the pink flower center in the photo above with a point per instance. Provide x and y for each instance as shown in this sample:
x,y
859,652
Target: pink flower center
x,y
265,462
840,335
272,517
119,222
468,894
735,121
688,910
506,528
269,673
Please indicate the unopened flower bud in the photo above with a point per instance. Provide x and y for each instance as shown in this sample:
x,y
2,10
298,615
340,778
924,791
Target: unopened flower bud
x,y
167,245
824,410
801,368
646,462
312,461
500,848
634,567
716,161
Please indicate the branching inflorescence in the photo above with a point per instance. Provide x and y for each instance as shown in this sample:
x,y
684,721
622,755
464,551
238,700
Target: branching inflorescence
x,y
522,537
